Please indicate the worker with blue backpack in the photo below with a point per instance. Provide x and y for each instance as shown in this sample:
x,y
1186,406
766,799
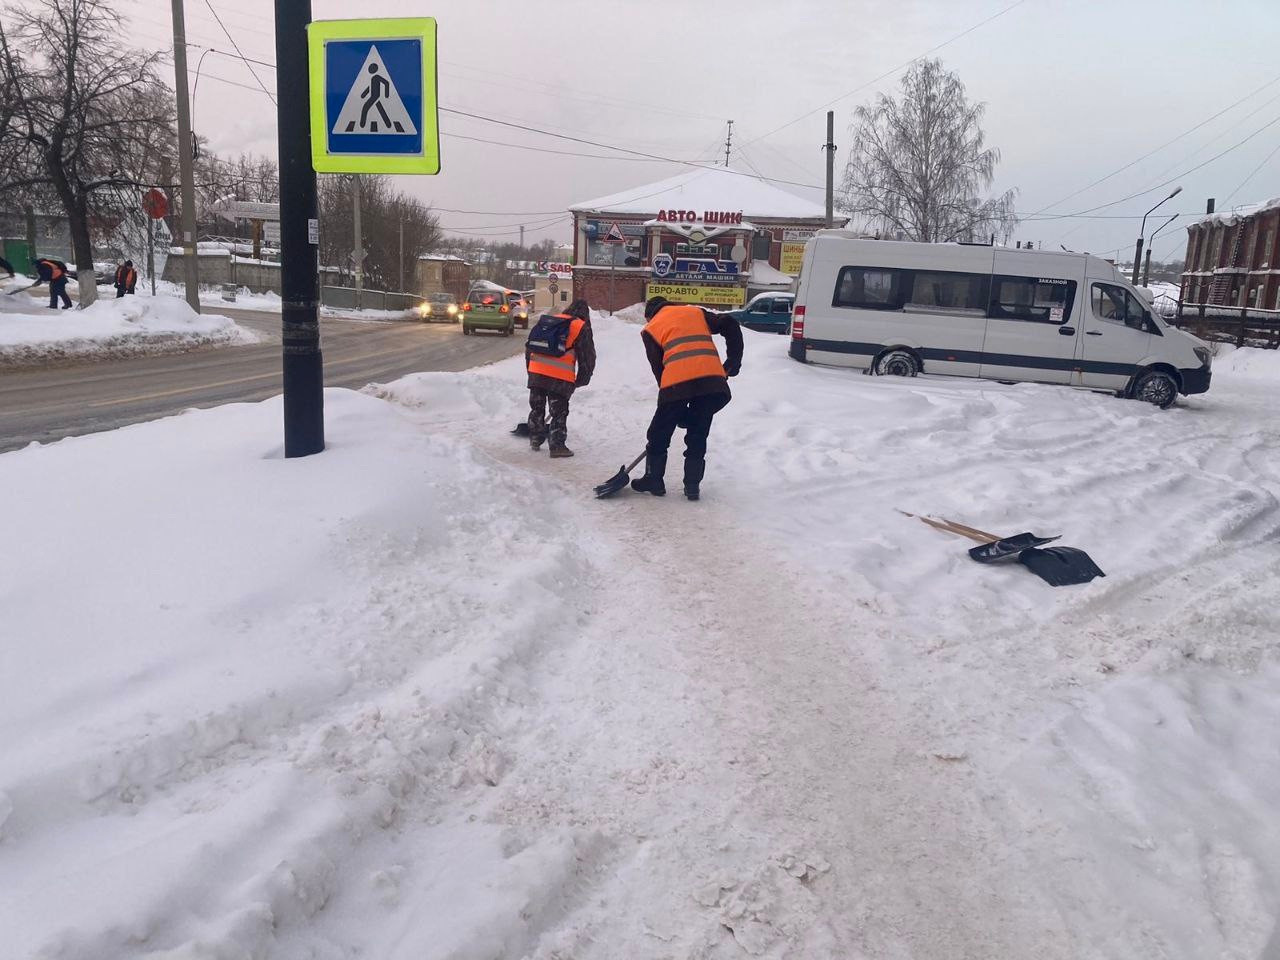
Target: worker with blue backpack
x,y
560,356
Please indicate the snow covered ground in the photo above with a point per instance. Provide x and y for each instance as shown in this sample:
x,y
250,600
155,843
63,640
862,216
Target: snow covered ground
x,y
31,333
423,697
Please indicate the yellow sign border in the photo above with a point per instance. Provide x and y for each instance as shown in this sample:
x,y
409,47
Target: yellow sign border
x,y
320,32
731,296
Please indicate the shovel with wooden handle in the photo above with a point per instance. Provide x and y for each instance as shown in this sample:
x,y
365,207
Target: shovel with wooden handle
x,y
619,480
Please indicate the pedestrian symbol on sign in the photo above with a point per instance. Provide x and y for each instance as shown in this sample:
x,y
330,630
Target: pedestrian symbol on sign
x,y
373,97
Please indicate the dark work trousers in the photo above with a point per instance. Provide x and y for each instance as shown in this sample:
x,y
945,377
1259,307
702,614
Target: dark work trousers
x,y
58,288
695,415
559,431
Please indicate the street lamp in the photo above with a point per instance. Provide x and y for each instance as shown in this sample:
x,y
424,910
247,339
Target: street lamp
x,y
1146,267
1137,250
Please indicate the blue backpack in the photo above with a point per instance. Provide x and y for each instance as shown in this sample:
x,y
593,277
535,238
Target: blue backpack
x,y
550,335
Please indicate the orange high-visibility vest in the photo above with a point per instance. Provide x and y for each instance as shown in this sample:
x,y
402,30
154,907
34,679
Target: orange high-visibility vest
x,y
688,352
55,271
564,367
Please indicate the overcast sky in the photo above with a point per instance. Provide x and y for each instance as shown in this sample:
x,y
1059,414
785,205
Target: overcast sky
x,y
1075,90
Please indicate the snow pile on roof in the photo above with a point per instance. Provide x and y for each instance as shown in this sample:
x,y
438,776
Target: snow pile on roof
x,y
1239,212
764,274
422,696
31,333
703,189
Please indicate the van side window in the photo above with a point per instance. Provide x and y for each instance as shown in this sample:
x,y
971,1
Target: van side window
x,y
869,288
949,291
1118,305
1033,299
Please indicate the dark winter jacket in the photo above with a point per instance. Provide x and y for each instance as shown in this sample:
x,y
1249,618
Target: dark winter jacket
x,y
6,266
719,324
46,268
584,348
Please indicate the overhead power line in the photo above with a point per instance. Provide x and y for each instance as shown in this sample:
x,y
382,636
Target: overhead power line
x,y
1168,143
1185,173
637,153
209,4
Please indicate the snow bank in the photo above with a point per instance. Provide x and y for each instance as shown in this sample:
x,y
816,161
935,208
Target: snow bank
x,y
422,696
1247,362
109,328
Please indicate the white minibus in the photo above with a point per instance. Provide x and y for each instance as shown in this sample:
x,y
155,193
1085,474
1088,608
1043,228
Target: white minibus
x,y
970,310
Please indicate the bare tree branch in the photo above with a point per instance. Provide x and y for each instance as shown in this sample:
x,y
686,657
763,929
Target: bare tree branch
x,y
919,164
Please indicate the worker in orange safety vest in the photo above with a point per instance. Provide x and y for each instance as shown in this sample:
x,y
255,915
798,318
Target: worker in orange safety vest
x,y
560,357
693,386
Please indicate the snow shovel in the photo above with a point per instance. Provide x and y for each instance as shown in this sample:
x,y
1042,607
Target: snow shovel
x,y
994,548
1060,566
521,429
10,293
619,480
1008,549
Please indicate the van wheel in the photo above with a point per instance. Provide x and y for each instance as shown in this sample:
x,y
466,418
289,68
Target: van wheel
x,y
897,363
1158,387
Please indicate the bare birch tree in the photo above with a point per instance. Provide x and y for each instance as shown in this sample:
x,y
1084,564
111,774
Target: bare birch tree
x,y
919,165
85,115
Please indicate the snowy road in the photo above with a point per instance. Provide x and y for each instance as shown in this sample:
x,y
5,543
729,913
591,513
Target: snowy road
x,y
49,403
422,697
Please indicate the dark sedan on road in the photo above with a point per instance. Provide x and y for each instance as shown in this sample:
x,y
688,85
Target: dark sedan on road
x,y
768,312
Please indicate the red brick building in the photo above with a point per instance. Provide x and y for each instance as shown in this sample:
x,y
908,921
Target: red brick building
x,y
707,236
1232,260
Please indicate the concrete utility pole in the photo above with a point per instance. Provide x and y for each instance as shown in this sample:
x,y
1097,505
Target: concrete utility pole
x,y
190,266
357,251
302,366
728,142
830,148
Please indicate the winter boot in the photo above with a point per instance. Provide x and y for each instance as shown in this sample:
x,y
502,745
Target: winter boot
x,y
535,443
655,465
559,450
693,471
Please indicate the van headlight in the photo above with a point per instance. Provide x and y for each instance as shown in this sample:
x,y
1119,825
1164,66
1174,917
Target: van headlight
x,y
1205,355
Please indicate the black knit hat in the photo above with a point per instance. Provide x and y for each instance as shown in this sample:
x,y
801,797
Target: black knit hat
x,y
579,309
653,305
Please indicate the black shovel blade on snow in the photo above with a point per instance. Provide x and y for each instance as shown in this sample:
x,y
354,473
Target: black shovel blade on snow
x,y
1060,566
618,481
1007,549
521,429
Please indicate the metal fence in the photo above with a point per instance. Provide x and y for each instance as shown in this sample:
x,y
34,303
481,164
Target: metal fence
x,y
348,298
1243,326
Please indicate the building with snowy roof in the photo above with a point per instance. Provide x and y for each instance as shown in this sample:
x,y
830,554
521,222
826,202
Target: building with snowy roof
x,y
710,235
1231,259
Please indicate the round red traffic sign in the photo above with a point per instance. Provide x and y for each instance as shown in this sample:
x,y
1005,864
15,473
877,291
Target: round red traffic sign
x,y
155,204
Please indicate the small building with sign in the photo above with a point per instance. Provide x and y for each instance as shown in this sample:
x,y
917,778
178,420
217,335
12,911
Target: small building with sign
x,y
442,273
710,236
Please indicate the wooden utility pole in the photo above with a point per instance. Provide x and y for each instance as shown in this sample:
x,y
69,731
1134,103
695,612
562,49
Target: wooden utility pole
x,y
190,265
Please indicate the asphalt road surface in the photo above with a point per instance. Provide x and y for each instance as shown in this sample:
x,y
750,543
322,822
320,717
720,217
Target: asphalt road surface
x,y
50,403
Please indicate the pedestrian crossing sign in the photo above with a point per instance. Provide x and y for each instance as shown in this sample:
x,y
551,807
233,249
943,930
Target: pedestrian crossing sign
x,y
373,96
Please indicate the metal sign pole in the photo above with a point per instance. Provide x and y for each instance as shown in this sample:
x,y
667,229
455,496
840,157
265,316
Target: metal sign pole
x,y
151,253
613,266
303,367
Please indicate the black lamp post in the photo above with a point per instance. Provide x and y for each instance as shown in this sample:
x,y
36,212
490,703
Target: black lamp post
x,y
1137,250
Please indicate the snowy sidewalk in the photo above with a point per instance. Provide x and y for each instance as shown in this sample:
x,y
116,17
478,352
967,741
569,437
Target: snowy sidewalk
x,y
32,334
423,697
